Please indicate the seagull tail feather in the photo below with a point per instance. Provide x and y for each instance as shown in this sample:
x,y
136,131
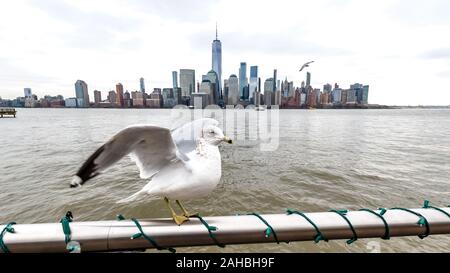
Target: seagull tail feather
x,y
130,198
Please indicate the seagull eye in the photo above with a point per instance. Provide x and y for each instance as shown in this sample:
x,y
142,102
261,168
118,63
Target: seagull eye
x,y
212,131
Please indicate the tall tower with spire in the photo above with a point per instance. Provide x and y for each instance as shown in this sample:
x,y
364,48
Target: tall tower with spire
x,y
217,60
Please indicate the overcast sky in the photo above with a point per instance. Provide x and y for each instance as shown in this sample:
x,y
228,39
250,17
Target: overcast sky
x,y
400,48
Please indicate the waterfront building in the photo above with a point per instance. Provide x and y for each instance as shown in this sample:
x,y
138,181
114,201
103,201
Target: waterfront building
x,y
27,92
344,96
174,79
302,99
257,100
225,91
177,95
216,95
277,98
31,102
207,87
156,99
97,96
324,98
362,92
364,97
168,98
274,80
112,97
82,95
351,96
268,93
187,82
285,88
336,95
233,90
138,99
200,99
242,80
185,100
253,86
142,84
119,95
127,101
71,102
312,97
217,61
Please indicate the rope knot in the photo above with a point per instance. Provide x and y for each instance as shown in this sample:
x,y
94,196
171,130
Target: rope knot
x,y
269,231
382,211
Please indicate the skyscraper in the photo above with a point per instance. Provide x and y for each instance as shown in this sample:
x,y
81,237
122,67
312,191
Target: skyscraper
x,y
308,79
142,84
242,79
187,82
217,60
81,92
112,97
268,87
253,80
174,79
233,90
27,92
119,97
207,88
274,80
97,96
213,78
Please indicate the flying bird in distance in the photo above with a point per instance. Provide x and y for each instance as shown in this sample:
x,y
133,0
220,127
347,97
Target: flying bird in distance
x,y
306,65
180,164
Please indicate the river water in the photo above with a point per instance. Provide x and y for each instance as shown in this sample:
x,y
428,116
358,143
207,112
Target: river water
x,y
326,159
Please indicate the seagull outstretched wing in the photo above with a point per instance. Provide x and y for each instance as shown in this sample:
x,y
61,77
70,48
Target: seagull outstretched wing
x,y
306,65
151,147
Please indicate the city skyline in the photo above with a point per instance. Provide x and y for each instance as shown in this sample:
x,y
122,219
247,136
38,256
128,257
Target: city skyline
x,y
400,71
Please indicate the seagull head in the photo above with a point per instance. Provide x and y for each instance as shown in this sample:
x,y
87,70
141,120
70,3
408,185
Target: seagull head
x,y
214,135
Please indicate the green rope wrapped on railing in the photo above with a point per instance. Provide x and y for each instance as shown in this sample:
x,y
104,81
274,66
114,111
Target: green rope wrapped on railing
x,y
210,230
426,205
343,213
319,236
386,235
10,229
66,227
148,238
422,221
269,231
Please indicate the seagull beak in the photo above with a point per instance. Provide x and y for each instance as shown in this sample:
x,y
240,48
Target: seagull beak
x,y
228,140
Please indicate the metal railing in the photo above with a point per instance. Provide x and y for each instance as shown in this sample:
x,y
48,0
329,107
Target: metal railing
x,y
124,235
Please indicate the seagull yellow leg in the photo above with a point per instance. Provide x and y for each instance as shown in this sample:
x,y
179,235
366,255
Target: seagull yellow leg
x,y
185,212
179,219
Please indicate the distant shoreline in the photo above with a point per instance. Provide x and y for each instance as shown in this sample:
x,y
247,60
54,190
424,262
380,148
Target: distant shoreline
x,y
335,107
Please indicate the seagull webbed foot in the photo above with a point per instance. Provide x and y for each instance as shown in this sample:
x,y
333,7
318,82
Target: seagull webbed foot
x,y
179,219
185,212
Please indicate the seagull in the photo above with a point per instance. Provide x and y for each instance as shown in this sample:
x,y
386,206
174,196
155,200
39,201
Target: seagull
x,y
306,65
181,164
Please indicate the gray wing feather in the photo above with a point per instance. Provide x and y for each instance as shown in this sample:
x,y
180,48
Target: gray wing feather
x,y
151,147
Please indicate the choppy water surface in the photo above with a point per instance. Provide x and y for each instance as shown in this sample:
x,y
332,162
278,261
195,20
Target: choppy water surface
x,y
326,159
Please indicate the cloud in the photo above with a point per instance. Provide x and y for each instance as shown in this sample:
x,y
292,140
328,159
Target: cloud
x,y
87,29
444,74
440,53
276,43
192,11
420,13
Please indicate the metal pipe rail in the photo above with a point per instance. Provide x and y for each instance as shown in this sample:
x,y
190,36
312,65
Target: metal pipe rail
x,y
240,229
